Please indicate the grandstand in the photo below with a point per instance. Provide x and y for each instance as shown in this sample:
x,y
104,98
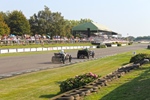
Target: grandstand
x,y
97,34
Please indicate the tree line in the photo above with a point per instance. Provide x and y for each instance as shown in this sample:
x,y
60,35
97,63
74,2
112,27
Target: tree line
x,y
142,38
45,22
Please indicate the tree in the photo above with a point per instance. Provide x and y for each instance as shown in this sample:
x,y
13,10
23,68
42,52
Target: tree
x,y
58,24
5,16
18,23
130,38
68,27
47,22
34,24
41,23
142,38
85,20
4,29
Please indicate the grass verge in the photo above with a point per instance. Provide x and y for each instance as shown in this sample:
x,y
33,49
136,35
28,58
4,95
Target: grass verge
x,y
45,45
44,85
132,86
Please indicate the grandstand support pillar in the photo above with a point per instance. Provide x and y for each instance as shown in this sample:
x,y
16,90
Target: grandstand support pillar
x,y
89,32
74,33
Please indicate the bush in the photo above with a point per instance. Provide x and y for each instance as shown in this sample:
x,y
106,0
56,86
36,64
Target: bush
x,y
101,46
148,47
118,44
139,57
130,43
77,82
114,42
98,46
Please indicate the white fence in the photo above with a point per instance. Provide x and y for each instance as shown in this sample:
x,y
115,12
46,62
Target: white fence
x,y
3,51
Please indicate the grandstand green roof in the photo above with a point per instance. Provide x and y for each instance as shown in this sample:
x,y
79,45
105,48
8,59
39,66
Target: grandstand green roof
x,y
93,27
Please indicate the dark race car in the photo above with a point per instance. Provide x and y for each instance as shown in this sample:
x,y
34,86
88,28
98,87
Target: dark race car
x,y
85,53
61,58
148,47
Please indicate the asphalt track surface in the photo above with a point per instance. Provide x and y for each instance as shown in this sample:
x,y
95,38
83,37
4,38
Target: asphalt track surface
x,y
15,65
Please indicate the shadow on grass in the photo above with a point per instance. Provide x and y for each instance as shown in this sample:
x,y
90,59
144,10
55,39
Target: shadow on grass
x,y
136,89
124,64
51,95
48,96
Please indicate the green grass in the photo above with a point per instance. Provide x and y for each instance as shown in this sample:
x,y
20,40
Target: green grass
x,y
44,85
23,53
27,53
45,45
132,86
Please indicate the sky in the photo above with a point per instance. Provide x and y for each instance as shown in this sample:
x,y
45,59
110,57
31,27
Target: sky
x,y
126,17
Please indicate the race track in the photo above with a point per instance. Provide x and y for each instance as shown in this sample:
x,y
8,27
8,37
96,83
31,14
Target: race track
x,y
15,65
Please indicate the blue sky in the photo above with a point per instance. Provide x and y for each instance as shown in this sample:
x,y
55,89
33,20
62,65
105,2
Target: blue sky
x,y
130,17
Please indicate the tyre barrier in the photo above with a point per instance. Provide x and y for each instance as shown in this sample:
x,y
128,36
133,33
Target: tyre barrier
x,y
80,93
